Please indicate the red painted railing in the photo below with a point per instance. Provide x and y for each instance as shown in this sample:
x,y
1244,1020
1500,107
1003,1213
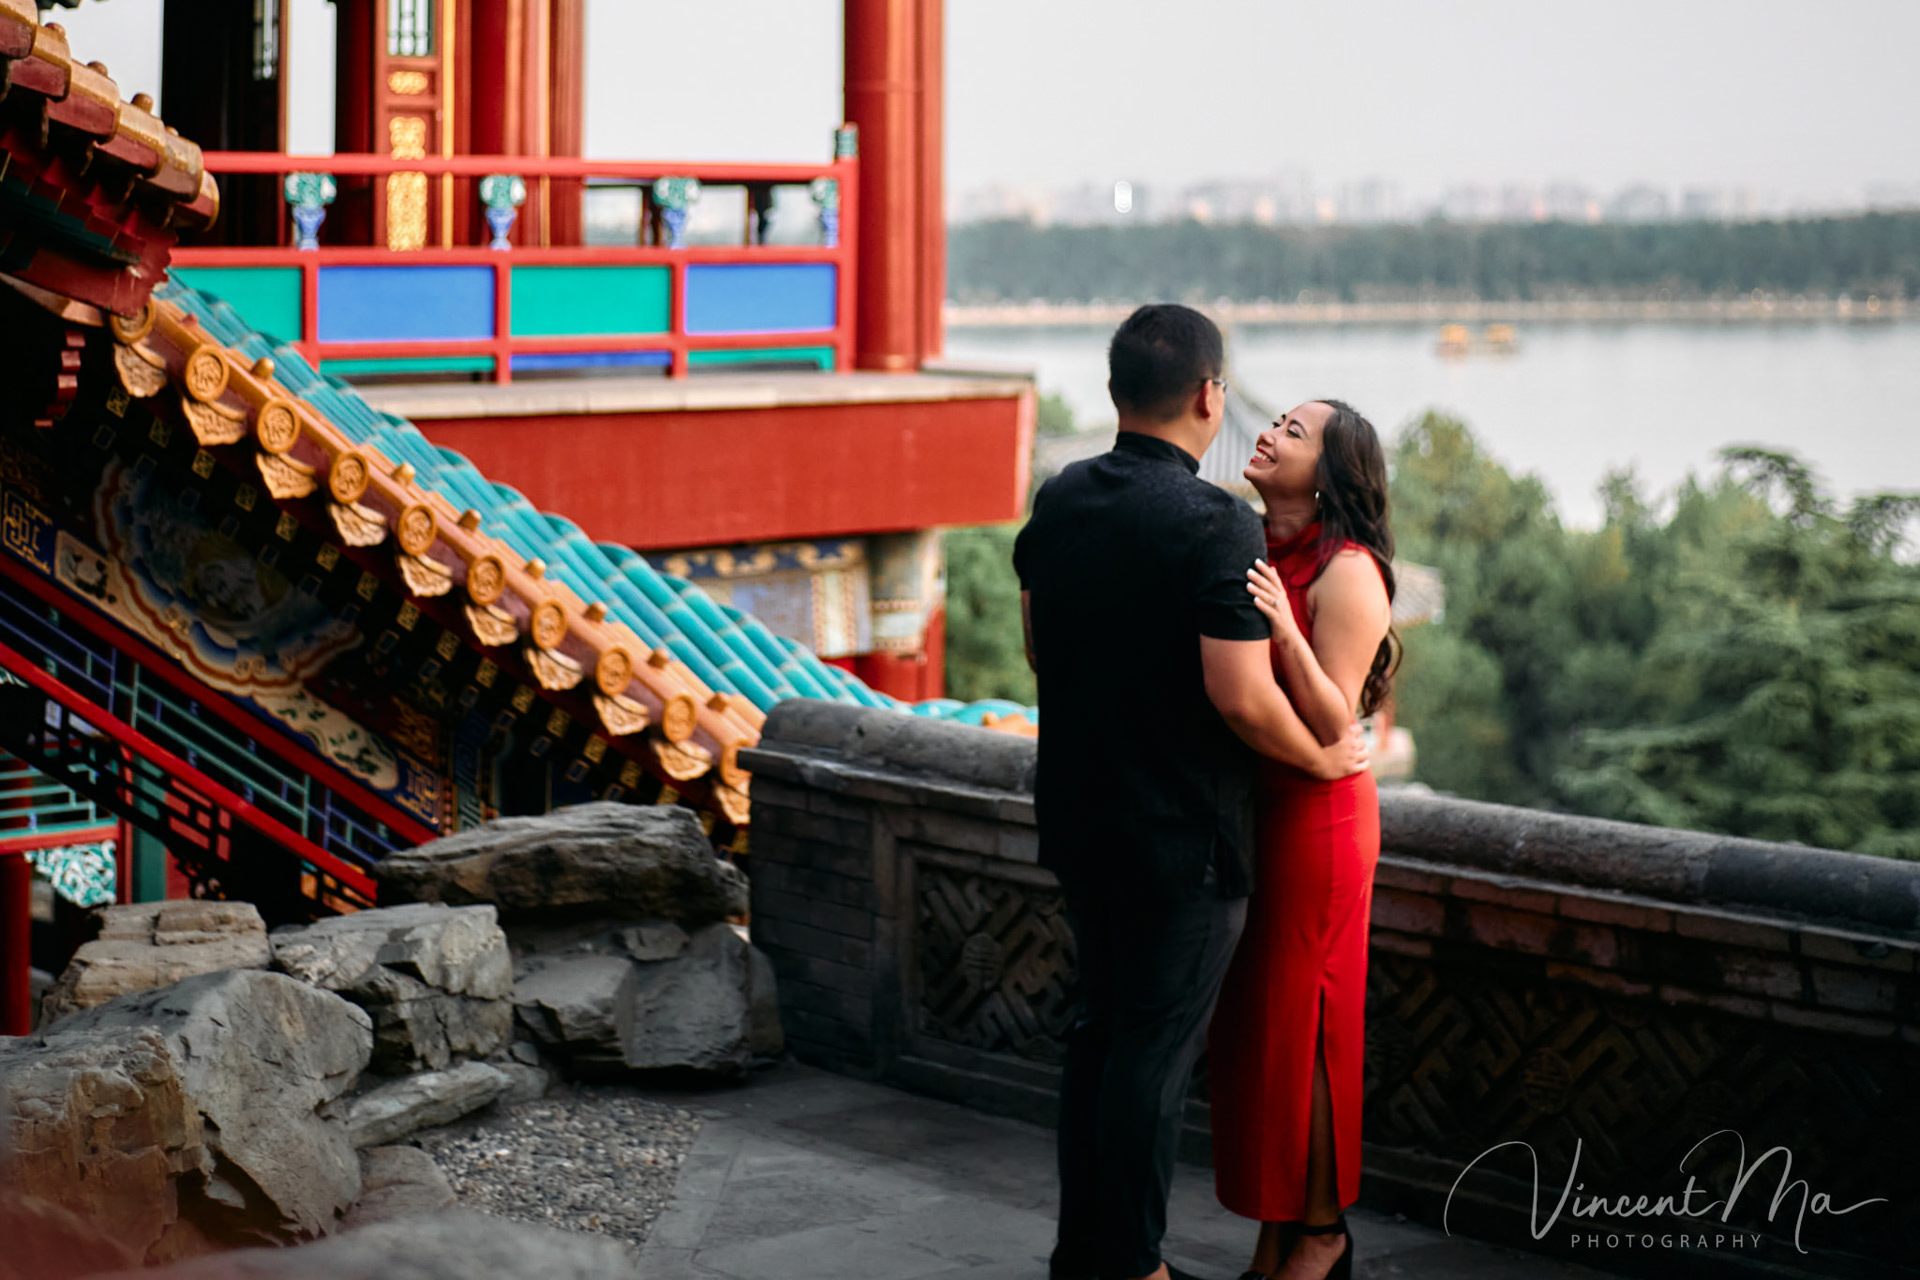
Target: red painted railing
x,y
675,344
201,811
211,703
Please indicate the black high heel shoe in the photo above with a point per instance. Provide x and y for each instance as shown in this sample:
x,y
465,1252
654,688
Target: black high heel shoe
x,y
1289,1232
1342,1268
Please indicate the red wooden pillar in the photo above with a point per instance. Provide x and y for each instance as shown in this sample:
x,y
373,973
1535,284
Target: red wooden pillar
x,y
16,951
893,84
933,184
350,221
567,118
493,53
528,73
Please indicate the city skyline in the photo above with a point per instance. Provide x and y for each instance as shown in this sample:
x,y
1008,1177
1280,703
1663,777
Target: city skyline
x,y
1292,197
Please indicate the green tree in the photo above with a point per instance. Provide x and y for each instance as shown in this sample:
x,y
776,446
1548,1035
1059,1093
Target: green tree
x,y
1781,691
986,649
1748,663
1531,637
1055,416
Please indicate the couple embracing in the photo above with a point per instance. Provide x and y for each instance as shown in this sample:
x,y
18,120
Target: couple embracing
x,y
1203,799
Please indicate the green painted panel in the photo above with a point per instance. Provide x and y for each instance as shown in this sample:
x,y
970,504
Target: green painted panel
x,y
149,866
821,357
267,298
410,364
576,301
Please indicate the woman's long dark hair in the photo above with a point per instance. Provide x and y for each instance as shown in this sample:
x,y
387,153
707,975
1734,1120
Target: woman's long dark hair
x,y
1352,480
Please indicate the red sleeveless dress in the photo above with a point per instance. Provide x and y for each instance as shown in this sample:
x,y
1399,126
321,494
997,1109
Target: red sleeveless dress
x,y
1300,972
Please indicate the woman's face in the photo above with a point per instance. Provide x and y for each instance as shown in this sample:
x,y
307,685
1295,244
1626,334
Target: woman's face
x,y
1287,454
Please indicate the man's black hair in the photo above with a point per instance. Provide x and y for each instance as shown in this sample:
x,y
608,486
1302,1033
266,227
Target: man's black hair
x,y
1159,357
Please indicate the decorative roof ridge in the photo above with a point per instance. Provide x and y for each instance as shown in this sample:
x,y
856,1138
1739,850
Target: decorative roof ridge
x,y
35,59
374,500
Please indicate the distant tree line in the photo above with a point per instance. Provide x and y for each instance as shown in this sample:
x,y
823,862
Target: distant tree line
x,y
1015,261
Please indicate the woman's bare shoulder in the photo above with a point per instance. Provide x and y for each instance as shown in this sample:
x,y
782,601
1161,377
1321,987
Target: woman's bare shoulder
x,y
1352,574
1353,561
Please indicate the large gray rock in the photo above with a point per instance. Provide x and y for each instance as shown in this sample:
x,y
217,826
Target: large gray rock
x,y
524,1083
435,979
636,862
152,944
451,1245
395,1108
100,1129
397,1182
657,940
260,1055
710,1007
39,982
694,1012
576,1005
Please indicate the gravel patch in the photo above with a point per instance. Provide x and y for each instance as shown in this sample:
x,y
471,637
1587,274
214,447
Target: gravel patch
x,y
584,1158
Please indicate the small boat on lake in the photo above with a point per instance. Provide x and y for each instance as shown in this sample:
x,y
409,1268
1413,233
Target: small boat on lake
x,y
1457,340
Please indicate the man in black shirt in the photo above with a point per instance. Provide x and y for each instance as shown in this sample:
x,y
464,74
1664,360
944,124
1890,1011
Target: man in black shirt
x,y
1158,692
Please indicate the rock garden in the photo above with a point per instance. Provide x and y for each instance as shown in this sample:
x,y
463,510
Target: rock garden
x,y
443,1084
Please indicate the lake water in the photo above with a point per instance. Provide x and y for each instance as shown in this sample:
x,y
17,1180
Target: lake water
x,y
1575,400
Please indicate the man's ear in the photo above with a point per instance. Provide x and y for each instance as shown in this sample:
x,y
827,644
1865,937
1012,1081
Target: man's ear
x,y
1202,409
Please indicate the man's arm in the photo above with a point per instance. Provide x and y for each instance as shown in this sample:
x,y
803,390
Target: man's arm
x,y
1239,678
1026,628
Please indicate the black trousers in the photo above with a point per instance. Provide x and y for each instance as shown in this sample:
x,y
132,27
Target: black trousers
x,y
1149,976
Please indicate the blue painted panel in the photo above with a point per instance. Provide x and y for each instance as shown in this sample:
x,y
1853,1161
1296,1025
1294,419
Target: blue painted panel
x,y
784,297
536,361
399,304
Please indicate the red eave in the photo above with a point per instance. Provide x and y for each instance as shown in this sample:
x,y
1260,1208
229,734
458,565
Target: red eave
x,y
712,460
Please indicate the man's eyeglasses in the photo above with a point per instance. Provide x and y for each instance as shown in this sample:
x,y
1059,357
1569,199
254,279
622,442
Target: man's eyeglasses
x,y
1221,381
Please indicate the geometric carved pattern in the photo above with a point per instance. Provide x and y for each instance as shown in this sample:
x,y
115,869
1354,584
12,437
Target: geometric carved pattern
x,y
996,964
1465,1051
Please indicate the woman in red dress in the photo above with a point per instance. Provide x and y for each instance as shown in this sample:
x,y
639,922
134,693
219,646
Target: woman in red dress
x,y
1284,1053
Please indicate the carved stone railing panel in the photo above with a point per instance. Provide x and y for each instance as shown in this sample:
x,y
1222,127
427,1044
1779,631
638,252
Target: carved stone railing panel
x,y
996,964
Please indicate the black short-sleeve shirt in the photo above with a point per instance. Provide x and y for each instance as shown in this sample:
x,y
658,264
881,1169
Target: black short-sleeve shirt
x,y
1130,558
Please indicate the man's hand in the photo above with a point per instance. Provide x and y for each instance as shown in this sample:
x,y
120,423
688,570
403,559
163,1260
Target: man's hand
x,y
1344,758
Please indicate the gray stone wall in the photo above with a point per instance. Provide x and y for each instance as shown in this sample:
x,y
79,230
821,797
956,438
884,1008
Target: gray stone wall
x,y
1534,978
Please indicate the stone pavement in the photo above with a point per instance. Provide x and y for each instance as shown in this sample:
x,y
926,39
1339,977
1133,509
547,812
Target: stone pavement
x,y
803,1175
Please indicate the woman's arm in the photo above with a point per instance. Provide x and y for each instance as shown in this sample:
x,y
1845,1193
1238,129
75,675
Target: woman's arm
x,y
1239,677
1350,618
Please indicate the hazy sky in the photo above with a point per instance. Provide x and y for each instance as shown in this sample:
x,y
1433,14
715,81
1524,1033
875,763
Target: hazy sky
x,y
1793,97
1782,96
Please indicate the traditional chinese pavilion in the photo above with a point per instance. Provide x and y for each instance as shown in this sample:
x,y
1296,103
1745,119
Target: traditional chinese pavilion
x,y
261,625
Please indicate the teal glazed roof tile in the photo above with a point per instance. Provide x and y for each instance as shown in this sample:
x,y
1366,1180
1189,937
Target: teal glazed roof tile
x,y
731,651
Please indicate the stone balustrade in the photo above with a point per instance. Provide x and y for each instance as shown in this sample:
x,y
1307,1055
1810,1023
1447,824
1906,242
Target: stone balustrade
x,y
1534,978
